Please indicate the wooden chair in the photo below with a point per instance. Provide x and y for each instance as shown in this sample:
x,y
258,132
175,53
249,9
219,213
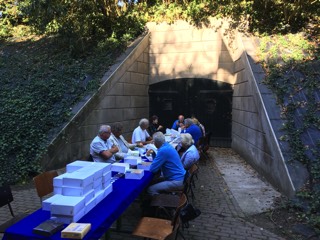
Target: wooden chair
x,y
165,202
158,228
203,146
44,183
6,198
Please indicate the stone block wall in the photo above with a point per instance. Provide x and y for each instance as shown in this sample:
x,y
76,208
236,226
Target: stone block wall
x,y
122,97
254,137
180,50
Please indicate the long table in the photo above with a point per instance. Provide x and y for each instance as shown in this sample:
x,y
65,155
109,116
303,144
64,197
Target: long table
x,y
101,217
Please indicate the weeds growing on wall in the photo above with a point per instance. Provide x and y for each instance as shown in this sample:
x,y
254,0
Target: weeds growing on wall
x,y
292,63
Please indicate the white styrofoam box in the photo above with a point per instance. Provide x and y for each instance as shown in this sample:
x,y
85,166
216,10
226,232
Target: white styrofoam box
x,y
133,160
90,205
95,171
133,153
88,196
106,176
97,182
148,158
144,166
108,190
142,150
76,191
69,219
57,190
67,205
134,174
120,167
99,196
105,166
78,179
106,182
76,165
58,180
98,188
168,138
46,204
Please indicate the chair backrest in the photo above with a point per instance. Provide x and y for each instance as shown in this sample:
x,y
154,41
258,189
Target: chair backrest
x,y
44,183
6,197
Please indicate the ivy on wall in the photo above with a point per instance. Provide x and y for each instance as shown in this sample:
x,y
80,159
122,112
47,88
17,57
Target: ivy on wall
x,y
293,75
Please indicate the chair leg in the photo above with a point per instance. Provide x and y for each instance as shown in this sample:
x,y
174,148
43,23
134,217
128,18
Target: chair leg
x,y
192,194
181,234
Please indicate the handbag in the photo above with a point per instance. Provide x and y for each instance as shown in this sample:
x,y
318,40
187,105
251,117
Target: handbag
x,y
188,213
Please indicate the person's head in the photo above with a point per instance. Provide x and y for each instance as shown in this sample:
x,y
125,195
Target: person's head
x,y
154,119
195,121
116,129
186,140
144,123
181,119
188,122
159,139
104,132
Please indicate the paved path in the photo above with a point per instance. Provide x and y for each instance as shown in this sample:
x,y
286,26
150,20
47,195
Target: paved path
x,y
221,217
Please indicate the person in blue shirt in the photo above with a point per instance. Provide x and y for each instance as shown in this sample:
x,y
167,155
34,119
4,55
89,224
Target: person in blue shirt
x,y
193,129
166,161
178,123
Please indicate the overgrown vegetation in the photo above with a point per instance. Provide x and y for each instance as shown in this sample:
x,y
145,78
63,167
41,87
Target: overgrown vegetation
x,y
292,63
43,75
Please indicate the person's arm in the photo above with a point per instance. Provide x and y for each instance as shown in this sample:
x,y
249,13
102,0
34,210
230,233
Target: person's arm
x,y
106,154
187,160
157,162
175,126
148,139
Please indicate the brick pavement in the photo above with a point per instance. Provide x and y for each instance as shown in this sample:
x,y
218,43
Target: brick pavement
x,y
221,216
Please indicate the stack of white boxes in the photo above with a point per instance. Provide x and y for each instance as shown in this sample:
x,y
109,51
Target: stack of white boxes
x,y
79,190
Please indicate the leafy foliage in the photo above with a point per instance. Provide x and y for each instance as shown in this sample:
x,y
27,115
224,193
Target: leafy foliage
x,y
40,83
43,76
294,79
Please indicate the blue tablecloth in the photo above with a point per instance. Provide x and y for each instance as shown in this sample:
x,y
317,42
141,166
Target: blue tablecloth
x,y
101,216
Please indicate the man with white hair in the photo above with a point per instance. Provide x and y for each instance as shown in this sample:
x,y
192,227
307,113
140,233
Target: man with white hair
x,y
167,161
140,135
101,149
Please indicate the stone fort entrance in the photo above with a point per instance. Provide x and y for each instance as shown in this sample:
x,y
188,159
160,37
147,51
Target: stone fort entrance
x,y
209,101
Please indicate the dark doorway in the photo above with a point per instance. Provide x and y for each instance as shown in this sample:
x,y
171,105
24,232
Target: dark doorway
x,y
209,101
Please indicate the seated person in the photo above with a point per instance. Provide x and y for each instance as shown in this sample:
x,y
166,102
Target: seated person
x,y
167,161
154,125
101,149
140,134
191,154
118,140
178,123
196,122
193,129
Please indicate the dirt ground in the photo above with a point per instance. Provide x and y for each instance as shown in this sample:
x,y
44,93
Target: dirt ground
x,y
284,222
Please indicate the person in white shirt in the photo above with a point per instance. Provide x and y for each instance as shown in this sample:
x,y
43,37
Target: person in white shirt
x,y
140,135
101,149
118,140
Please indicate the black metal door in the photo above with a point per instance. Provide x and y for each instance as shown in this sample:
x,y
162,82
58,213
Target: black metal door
x,y
209,101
